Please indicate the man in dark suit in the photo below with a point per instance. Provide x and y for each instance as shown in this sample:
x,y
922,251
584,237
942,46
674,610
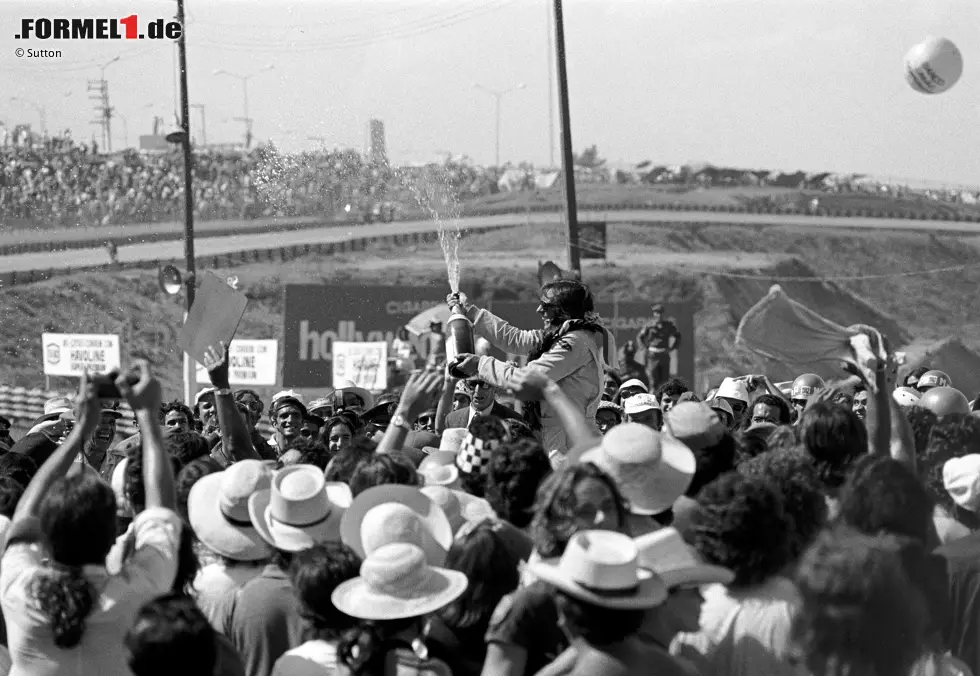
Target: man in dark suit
x,y
483,401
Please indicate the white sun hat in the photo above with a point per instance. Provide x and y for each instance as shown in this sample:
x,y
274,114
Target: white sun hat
x,y
602,568
217,509
396,582
300,509
676,562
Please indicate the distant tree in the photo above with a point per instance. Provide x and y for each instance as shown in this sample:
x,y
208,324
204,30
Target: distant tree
x,y
589,158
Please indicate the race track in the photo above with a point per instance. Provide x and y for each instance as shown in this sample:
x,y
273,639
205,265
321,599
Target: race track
x,y
215,246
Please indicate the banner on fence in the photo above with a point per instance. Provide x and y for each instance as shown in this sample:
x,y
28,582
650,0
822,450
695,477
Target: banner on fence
x,y
252,362
72,354
364,364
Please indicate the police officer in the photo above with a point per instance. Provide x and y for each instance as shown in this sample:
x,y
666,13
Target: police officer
x,y
661,339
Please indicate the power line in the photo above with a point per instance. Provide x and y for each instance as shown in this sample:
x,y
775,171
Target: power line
x,y
405,31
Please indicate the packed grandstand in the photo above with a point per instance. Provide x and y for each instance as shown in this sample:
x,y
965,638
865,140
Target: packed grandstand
x,y
60,182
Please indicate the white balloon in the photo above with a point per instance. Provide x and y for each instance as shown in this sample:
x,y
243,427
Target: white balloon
x,y
933,66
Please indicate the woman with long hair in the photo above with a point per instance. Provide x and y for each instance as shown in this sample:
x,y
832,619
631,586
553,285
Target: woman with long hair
x,y
573,349
524,635
65,613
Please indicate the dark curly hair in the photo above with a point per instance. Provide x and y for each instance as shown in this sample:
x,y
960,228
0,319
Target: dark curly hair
x,y
554,523
673,387
342,466
860,613
712,462
171,636
378,470
882,495
834,437
315,573
490,567
10,494
516,471
921,420
178,406
78,516
188,476
597,626
18,467
956,435
792,472
785,416
742,524
751,443
783,438
185,447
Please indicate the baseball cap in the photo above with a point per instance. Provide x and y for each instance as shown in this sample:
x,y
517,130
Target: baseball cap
x,y
641,402
200,395
634,382
292,394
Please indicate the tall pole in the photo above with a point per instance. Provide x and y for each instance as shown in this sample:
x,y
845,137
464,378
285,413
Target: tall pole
x,y
568,161
190,372
551,93
248,122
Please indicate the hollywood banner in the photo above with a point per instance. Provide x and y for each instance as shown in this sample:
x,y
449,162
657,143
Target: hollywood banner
x,y
317,315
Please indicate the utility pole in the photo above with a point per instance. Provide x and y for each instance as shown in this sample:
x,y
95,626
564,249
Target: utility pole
x,y
551,92
190,370
568,160
204,133
99,91
497,95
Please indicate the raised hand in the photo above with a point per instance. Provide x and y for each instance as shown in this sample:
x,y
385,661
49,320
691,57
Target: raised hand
x,y
144,395
217,365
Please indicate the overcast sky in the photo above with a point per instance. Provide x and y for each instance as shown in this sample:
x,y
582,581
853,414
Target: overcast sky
x,y
782,84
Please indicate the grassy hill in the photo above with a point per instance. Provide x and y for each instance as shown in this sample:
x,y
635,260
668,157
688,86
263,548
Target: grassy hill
x,y
720,270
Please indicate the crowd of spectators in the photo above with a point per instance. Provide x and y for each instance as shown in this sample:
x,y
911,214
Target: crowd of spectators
x,y
63,183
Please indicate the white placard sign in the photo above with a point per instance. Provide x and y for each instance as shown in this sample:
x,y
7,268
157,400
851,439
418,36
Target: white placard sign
x,y
72,354
364,364
253,362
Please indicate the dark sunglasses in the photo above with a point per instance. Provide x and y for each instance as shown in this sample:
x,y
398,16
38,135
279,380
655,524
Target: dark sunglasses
x,y
254,406
306,433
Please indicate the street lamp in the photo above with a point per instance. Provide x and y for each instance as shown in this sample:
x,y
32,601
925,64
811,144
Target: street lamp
x,y
106,110
497,95
244,79
40,111
125,128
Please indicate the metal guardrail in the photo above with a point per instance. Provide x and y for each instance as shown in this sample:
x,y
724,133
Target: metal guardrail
x,y
289,225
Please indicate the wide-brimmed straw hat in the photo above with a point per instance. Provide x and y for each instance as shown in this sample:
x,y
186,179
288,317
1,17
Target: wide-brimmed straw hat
x,y
459,506
217,509
651,470
397,582
676,562
365,396
391,513
300,509
602,568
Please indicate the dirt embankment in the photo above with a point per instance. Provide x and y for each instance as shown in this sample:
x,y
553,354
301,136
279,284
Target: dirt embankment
x,y
720,271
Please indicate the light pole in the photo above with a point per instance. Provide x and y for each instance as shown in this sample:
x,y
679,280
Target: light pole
x,y
497,95
40,111
567,159
184,136
244,79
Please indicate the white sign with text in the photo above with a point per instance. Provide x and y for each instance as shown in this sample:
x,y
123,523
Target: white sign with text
x,y
72,354
364,364
253,362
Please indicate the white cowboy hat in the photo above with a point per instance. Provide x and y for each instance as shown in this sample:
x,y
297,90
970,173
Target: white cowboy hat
x,y
217,509
733,389
652,470
676,562
301,509
602,568
365,396
459,506
397,582
391,513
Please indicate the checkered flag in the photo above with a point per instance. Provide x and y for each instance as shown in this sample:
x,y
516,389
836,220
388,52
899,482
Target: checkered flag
x,y
474,454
